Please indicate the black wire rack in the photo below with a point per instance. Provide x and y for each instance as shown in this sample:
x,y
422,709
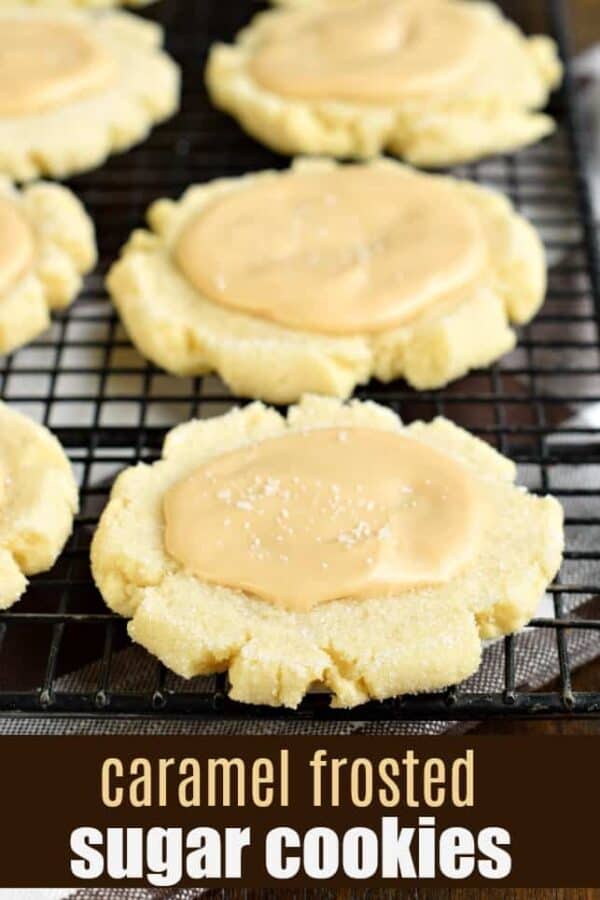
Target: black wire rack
x,y
63,653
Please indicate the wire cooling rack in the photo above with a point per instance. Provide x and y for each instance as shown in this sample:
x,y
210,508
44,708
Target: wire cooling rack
x,y
109,408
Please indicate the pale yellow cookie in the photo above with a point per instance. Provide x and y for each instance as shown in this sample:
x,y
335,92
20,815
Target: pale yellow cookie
x,y
82,4
47,243
436,82
419,638
449,263
77,86
38,500
324,3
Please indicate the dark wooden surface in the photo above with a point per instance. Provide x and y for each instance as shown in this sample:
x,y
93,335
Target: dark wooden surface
x,y
585,18
586,679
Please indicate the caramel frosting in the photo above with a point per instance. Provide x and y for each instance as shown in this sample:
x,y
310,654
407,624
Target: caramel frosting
x,y
339,251
371,51
325,514
17,245
46,63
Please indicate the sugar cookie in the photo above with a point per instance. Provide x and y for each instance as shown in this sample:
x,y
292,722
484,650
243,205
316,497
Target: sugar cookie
x,y
317,278
46,244
38,499
436,82
78,86
376,603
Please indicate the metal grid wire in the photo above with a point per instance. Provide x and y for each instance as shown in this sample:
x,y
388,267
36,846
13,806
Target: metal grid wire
x,y
110,408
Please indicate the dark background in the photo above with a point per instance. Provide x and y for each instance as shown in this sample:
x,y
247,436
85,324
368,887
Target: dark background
x,y
585,17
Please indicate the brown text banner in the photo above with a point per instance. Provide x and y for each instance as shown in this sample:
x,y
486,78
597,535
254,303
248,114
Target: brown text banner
x,y
299,811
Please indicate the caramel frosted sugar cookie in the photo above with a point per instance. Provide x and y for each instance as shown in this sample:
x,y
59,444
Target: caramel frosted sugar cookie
x,y
38,499
46,244
334,546
436,81
315,279
76,86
